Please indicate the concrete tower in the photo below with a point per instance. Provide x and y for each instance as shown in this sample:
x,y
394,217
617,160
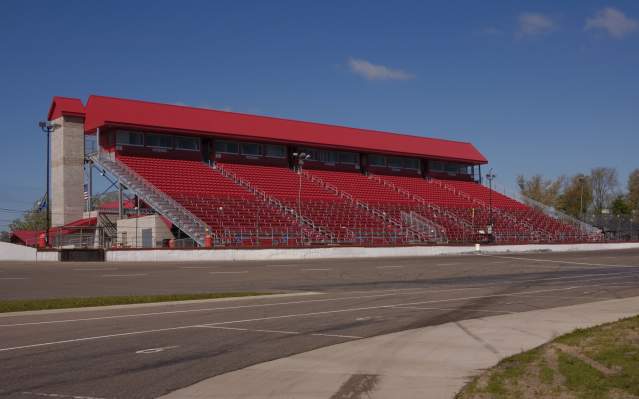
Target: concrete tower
x,y
67,161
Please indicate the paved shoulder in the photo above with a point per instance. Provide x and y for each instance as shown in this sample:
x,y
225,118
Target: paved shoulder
x,y
436,361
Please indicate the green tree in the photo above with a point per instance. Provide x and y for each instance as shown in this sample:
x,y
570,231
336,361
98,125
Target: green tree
x,y
541,190
576,196
604,183
620,206
33,219
633,190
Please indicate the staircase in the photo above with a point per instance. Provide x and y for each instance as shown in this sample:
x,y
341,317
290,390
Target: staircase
x,y
415,235
308,224
160,202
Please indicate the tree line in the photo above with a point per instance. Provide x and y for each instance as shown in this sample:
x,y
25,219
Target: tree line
x,y
586,195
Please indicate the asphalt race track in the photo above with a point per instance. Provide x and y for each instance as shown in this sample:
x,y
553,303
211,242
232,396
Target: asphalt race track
x,y
146,351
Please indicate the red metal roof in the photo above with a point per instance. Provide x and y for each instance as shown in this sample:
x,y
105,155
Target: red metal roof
x,y
30,237
108,111
65,106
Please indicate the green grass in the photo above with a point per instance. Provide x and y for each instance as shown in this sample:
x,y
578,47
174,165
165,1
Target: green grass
x,y
547,371
66,303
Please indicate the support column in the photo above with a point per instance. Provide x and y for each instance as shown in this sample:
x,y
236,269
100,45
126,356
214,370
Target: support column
x,y
67,173
90,187
120,201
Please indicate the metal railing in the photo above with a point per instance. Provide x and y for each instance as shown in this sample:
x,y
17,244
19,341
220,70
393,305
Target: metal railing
x,y
156,198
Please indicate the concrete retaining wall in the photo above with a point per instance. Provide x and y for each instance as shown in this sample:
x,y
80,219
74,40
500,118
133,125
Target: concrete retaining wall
x,y
12,252
333,253
15,252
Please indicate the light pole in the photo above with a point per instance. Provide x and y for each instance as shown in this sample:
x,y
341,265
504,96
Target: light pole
x,y
48,127
300,157
581,198
490,176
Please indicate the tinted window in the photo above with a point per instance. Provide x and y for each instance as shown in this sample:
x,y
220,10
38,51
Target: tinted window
x,y
347,157
227,147
250,149
129,138
159,140
277,151
376,160
187,143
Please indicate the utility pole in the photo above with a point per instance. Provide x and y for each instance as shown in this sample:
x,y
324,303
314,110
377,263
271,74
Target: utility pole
x,y
48,127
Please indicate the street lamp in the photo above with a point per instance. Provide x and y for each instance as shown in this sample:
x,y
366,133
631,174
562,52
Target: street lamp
x,y
48,127
300,157
581,199
490,176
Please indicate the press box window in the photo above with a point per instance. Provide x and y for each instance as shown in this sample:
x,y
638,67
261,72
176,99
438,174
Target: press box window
x,y
250,149
187,143
159,140
129,138
275,151
347,158
226,147
376,160
437,166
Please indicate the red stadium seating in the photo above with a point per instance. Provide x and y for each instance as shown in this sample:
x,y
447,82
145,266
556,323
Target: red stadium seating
x,y
348,207
234,215
342,217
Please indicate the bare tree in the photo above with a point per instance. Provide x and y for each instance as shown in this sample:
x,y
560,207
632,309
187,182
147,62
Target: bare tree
x,y
604,184
541,190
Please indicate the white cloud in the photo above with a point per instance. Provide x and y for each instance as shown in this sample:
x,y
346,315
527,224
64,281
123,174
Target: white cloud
x,y
613,21
370,71
532,24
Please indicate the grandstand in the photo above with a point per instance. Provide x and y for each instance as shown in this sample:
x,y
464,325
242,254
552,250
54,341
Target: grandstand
x,y
254,181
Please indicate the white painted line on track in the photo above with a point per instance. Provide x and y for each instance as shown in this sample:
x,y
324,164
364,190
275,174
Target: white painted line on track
x,y
454,309
125,275
279,332
565,262
287,316
407,291
58,395
251,330
234,272
389,267
155,350
92,269
337,336
14,278
283,265
316,270
197,267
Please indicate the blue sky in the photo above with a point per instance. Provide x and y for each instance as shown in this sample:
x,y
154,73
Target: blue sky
x,y
539,87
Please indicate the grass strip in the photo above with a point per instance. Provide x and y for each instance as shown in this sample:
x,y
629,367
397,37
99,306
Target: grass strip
x,y
20,305
594,363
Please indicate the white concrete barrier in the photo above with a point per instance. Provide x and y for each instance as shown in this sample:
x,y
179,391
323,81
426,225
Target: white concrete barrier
x,y
48,256
172,255
13,252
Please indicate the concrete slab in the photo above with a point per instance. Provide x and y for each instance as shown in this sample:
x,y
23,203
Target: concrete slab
x,y
433,362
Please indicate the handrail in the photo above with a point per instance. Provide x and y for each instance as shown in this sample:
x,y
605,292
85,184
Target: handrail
x,y
152,189
422,201
552,212
364,205
272,200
